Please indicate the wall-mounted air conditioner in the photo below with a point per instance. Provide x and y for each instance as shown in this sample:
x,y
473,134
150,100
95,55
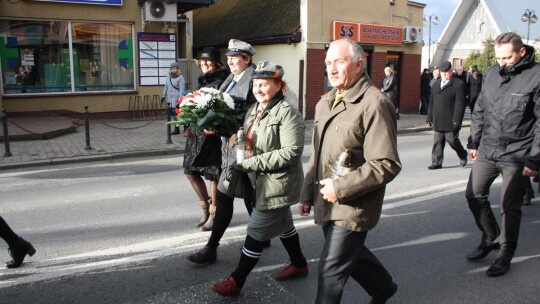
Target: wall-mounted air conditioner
x,y
159,11
412,34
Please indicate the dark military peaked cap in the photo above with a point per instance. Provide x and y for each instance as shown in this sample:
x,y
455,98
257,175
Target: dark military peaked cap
x,y
267,69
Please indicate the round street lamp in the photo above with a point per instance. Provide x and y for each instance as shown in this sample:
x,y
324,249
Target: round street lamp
x,y
530,17
429,20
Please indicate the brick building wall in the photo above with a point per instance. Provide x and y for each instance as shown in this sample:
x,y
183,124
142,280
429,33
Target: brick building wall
x,y
410,83
315,69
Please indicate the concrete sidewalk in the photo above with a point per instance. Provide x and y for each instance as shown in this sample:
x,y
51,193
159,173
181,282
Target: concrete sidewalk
x,y
38,141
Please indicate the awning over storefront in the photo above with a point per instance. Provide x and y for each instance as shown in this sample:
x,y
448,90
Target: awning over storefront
x,y
188,5
257,22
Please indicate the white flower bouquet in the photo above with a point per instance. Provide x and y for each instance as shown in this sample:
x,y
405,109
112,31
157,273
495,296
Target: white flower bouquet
x,y
207,109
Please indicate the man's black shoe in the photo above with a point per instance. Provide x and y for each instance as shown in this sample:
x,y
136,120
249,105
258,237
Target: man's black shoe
x,y
482,251
463,162
499,267
526,200
381,299
434,166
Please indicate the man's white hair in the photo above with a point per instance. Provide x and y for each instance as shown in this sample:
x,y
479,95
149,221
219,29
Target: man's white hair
x,y
358,51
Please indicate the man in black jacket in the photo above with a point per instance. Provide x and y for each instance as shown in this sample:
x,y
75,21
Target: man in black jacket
x,y
504,140
445,114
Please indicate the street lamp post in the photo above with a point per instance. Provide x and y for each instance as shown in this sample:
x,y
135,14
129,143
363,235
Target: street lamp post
x,y
429,20
530,17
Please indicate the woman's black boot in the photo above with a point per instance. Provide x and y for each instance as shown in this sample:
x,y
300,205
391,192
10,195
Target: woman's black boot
x,y
204,256
18,252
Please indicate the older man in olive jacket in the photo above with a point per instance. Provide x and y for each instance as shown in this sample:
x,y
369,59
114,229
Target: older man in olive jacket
x,y
355,115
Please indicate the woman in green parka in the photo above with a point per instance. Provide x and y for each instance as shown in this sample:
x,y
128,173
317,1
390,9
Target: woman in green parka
x,y
275,133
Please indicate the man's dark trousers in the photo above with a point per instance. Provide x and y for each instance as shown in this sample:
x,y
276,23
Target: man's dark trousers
x,y
483,174
439,140
344,255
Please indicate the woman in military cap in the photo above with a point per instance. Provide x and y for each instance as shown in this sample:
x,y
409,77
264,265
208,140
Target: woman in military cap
x,y
239,86
276,140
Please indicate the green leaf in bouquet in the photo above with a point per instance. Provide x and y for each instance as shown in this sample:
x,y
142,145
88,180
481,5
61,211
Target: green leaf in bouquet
x,y
207,119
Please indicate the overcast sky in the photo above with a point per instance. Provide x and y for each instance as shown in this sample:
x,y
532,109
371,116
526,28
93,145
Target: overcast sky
x,y
510,10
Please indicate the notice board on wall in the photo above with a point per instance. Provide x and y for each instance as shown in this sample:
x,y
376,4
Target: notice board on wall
x,y
156,53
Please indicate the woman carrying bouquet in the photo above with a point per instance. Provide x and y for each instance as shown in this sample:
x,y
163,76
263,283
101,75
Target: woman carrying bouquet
x,y
276,140
239,86
210,145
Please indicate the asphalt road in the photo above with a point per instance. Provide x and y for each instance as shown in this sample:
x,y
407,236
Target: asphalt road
x,y
119,232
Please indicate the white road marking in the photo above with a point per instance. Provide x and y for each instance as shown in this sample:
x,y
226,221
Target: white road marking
x,y
138,253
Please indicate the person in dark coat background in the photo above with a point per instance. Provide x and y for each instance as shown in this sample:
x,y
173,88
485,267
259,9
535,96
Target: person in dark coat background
x,y
435,75
445,115
425,91
474,83
389,87
461,75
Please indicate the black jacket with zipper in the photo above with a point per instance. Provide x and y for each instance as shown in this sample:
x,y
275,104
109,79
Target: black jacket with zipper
x,y
505,125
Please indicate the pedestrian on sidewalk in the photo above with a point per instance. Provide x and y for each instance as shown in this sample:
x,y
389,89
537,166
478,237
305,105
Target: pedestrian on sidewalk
x,y
474,84
425,91
276,142
354,115
239,86
435,75
445,115
389,87
18,247
175,85
505,141
202,156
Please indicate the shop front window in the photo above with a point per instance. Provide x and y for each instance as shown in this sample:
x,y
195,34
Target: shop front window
x,y
46,57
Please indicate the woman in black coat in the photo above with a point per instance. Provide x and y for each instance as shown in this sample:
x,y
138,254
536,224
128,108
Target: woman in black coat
x,y
198,142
